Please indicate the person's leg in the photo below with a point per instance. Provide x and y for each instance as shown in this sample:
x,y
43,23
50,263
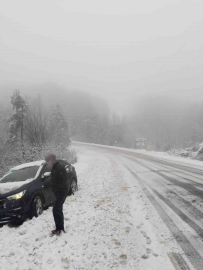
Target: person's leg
x,y
62,216
58,211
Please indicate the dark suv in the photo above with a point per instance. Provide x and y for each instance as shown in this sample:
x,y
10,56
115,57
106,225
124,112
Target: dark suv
x,y
25,191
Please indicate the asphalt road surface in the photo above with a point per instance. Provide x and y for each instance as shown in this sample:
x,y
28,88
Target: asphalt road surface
x,y
175,191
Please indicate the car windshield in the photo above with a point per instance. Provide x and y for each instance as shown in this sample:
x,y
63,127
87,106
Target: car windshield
x,y
20,175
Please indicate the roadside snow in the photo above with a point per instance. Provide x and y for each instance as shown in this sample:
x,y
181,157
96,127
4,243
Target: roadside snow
x,y
84,159
177,160
159,155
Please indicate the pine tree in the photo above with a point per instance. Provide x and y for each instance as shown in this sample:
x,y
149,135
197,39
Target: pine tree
x,y
16,126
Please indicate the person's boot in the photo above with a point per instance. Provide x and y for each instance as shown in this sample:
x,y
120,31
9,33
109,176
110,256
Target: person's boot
x,y
56,232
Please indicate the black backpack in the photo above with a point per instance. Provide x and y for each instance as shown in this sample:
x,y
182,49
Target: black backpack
x,y
69,168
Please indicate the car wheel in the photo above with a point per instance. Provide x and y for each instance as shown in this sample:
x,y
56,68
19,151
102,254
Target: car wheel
x,y
74,186
36,207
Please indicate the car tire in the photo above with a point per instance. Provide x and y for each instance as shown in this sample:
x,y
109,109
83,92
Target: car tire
x,y
36,206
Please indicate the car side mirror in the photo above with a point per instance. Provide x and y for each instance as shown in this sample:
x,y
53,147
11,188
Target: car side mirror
x,y
46,175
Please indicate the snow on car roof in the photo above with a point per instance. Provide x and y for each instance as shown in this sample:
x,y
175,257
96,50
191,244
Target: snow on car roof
x,y
30,164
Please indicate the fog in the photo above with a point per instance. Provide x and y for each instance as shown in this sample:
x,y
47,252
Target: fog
x,y
117,49
143,58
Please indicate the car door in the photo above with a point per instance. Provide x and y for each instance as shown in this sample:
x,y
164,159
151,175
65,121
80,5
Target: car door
x,y
46,181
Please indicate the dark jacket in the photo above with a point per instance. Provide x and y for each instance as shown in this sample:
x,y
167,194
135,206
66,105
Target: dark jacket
x,y
59,183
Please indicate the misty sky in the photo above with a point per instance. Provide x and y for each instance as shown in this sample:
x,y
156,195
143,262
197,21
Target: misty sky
x,y
119,49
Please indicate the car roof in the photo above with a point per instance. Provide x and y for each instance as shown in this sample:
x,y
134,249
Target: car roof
x,y
30,164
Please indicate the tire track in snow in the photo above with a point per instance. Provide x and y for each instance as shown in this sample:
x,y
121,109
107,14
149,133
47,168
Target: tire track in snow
x,y
176,171
196,213
190,252
182,215
152,159
190,188
171,164
179,262
178,200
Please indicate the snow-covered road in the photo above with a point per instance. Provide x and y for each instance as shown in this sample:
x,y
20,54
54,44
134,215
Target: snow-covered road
x,y
131,212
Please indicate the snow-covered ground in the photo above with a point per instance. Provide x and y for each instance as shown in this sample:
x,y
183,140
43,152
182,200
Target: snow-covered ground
x,y
109,222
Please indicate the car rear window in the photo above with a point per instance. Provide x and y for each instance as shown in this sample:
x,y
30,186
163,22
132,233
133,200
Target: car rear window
x,y
20,175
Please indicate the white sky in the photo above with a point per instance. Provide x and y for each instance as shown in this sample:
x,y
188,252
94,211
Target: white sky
x,y
119,49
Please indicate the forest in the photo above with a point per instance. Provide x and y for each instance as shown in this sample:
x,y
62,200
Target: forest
x,y
46,121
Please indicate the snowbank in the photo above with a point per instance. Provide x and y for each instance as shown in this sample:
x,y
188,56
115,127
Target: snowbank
x,y
199,153
195,152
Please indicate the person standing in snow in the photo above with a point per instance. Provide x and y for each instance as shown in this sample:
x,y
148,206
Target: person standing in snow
x,y
60,189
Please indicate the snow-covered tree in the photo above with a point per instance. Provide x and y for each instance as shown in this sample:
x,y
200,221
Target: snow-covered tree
x,y
59,127
5,113
16,127
36,123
